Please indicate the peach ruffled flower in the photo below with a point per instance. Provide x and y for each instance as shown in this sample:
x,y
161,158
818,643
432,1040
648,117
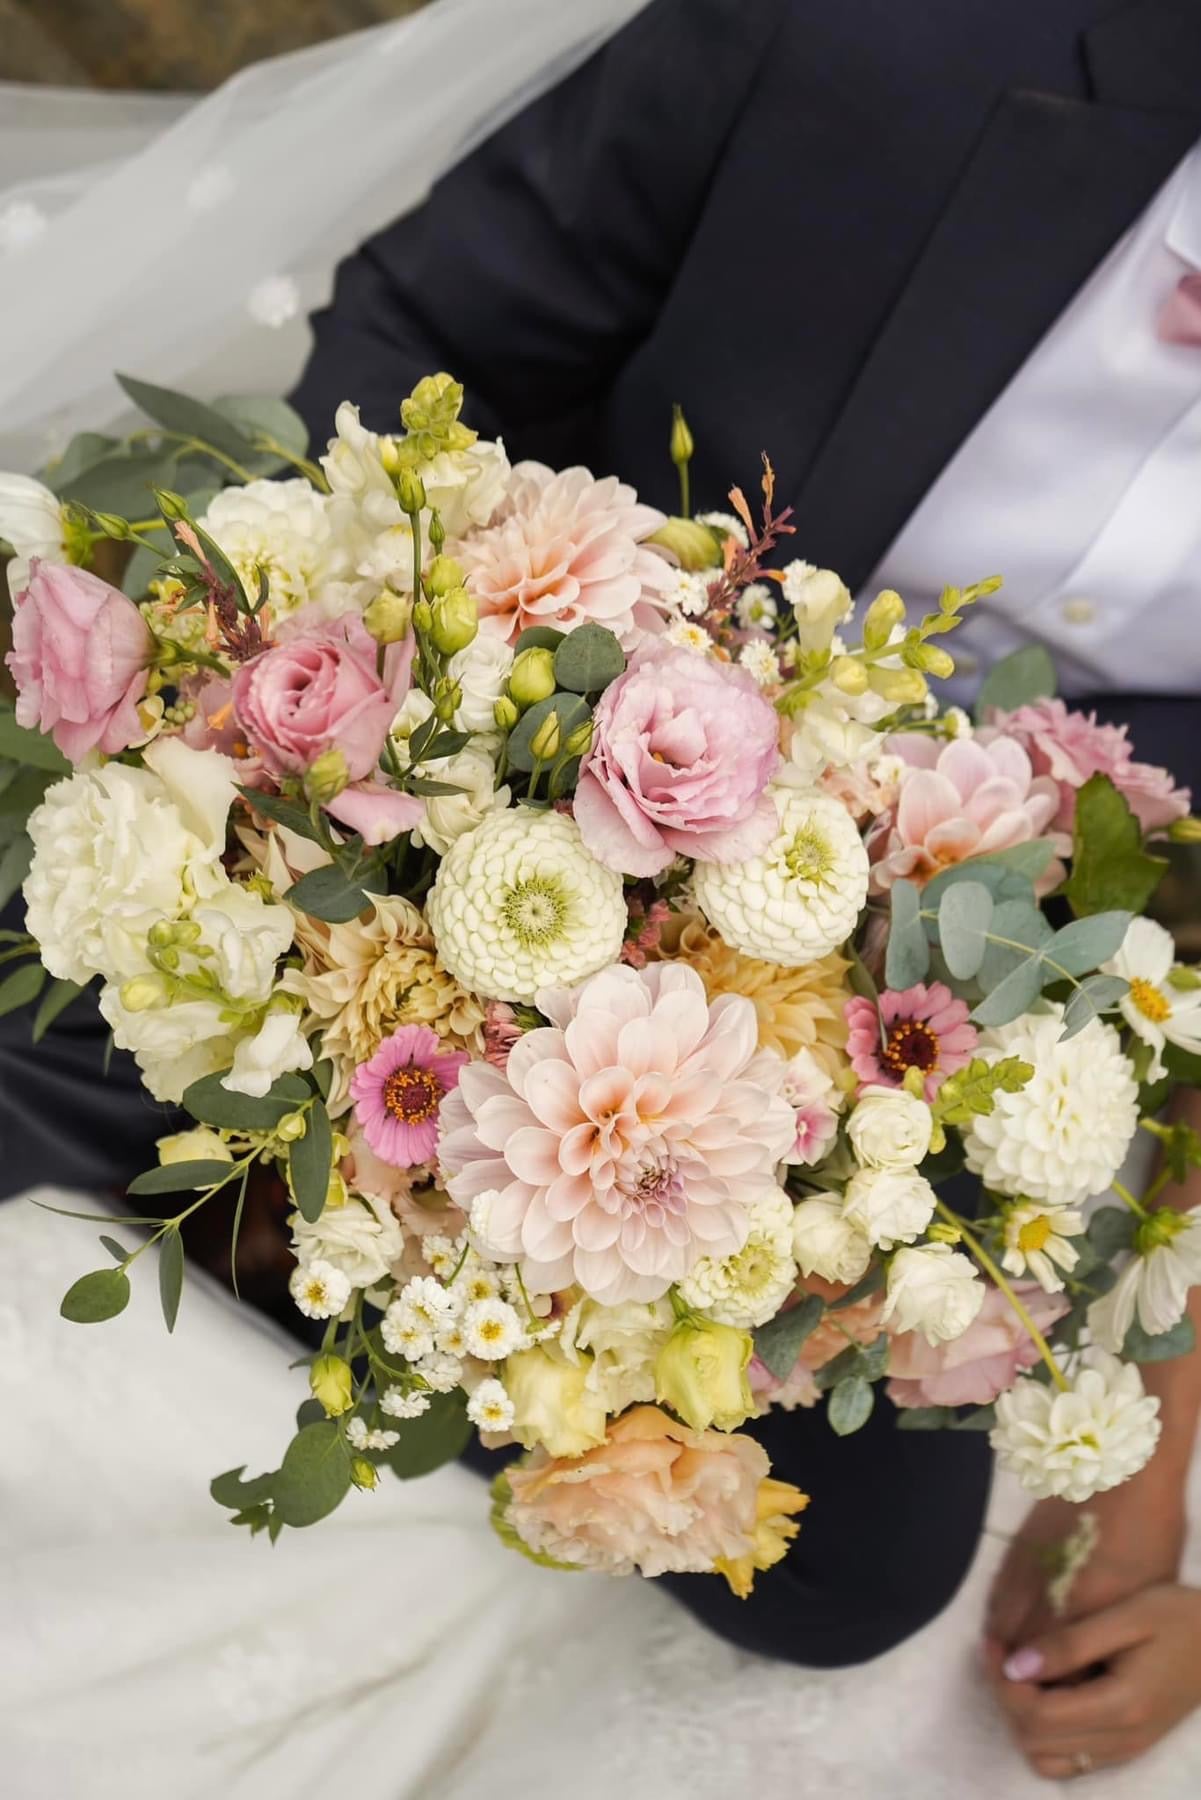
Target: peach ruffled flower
x,y
656,1498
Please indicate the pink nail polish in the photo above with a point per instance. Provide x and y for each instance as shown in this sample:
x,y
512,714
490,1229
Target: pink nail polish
x,y
1023,1665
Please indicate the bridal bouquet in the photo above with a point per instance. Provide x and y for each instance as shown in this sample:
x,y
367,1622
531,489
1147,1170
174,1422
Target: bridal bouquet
x,y
620,955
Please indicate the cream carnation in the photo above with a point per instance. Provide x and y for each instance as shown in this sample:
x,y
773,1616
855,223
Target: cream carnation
x,y
750,1287
1064,1136
932,1289
520,904
1077,1443
800,898
281,528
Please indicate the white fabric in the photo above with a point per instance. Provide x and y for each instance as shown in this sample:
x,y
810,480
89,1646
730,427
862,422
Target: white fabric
x,y
395,1651
1080,484
190,255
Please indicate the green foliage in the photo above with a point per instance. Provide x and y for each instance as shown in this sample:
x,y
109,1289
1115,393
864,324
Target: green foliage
x,y
260,417
571,712
1029,674
850,1405
117,1251
778,1343
1110,868
868,1361
1110,1230
1086,943
180,1177
1146,1347
22,987
290,813
908,957
924,1418
14,867
870,1284
213,1104
314,1476
55,1000
588,659
1097,994
964,915
186,417
972,1093
328,893
1181,1146
170,1275
29,748
100,1295
310,1160
438,1436
230,1489
539,637
1013,996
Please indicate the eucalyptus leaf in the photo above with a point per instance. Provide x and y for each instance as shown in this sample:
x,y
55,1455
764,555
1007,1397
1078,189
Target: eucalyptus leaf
x,y
213,1104
170,1276
22,987
314,1475
908,957
964,914
117,1251
186,417
95,1297
23,792
1086,943
265,416
310,1159
328,893
869,1284
122,482
981,1418
1110,1230
439,1436
322,1076
924,1418
1013,996
181,1177
29,748
55,1000
1029,674
1147,1347
539,637
1002,881
84,449
778,1343
588,659
232,1491
1094,996
850,1405
868,1360
1021,923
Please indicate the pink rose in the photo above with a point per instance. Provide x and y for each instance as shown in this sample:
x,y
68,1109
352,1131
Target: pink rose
x,y
986,1360
320,691
80,656
1071,746
682,754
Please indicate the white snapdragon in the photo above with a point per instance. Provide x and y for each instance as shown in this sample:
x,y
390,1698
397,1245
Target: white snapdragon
x,y
890,1206
1077,1442
932,1289
827,1243
890,1129
820,601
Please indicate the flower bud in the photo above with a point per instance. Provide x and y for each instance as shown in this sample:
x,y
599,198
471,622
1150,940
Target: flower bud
x,y
579,741
545,742
1185,831
505,713
437,532
885,613
172,506
442,577
410,492
331,1382
455,621
201,1144
701,1374
532,677
932,659
848,676
682,445
448,697
364,1474
904,687
144,993
293,1125
423,616
693,545
113,526
337,1193
327,777
390,455
388,616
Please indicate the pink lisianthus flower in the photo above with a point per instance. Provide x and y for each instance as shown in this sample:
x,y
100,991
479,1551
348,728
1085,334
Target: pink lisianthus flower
x,y
376,811
924,1028
502,1029
1070,747
398,1092
815,1101
971,1370
958,800
627,1139
682,752
80,656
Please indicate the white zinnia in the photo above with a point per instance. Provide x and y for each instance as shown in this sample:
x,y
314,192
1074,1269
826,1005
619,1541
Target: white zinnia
x,y
802,897
520,904
826,1243
890,1128
489,1407
1155,1282
481,671
889,1206
1081,1442
319,1290
932,1289
31,520
1155,1010
281,528
750,1287
362,1239
1064,1136
1037,1242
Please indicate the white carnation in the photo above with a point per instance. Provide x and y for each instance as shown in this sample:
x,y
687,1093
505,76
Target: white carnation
x,y
750,1287
481,671
1064,1136
802,897
889,1206
520,904
1077,1443
826,1243
361,1239
889,1128
31,520
932,1289
281,528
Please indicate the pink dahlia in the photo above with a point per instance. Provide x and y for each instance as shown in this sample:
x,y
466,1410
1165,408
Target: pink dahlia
x,y
1071,746
961,799
920,1027
398,1092
974,1368
624,1141
568,549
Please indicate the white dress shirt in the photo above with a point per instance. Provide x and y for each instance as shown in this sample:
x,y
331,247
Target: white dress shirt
x,y
1082,485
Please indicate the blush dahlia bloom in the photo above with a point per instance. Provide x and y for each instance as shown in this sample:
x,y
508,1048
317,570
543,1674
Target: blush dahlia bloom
x,y
1070,747
568,549
681,756
982,1362
626,1140
398,1092
958,800
920,1027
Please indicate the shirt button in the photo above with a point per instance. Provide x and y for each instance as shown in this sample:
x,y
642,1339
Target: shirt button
x,y
1078,611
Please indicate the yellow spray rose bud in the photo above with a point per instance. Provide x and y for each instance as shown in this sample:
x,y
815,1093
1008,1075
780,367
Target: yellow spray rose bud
x,y
701,1374
388,616
410,492
904,687
532,677
552,1402
682,445
364,1474
848,676
327,777
694,546
505,713
201,1144
885,613
455,620
332,1382
545,742
144,992
293,1125
442,577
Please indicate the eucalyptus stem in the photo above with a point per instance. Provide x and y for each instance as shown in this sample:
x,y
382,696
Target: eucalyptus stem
x,y
993,1272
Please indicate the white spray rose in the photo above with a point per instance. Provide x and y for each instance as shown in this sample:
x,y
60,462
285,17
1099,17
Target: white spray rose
x,y
826,1243
448,816
481,671
890,1206
933,1289
890,1129
361,1239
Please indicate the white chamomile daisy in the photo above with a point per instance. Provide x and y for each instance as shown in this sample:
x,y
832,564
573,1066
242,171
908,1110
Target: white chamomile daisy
x,y
420,1312
520,904
1155,1282
802,897
440,1371
490,1408
760,662
690,596
750,1287
1155,1009
757,607
399,1405
1079,1441
451,1341
1037,1242
443,1254
360,1438
477,1282
727,525
687,636
319,1290
492,1330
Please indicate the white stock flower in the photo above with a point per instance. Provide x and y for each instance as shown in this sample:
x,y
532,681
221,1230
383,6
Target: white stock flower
x,y
359,1437
1155,1283
1037,1243
519,904
278,1047
448,816
244,937
932,1289
280,527
399,1405
889,1206
622,1342
31,520
760,662
319,1290
802,897
1156,1011
481,671
749,1287
1064,1136
466,486
489,1407
890,1128
1081,1442
492,1330
826,1243
819,600
174,1043
361,1239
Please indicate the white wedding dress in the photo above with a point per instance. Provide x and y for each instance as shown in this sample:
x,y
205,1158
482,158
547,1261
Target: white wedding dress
x,y
395,1651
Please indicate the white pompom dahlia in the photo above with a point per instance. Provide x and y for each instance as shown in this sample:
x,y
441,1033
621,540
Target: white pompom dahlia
x,y
1064,1136
520,904
802,897
1078,1442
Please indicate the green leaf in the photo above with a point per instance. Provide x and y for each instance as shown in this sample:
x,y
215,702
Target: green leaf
x,y
170,1276
588,659
329,894
778,1343
539,637
908,957
310,1159
1013,996
1146,1347
101,1295
25,791
117,1251
1110,1230
85,448
55,1000
871,1283
1029,674
446,743
1084,944
289,813
924,1418
263,415
230,1489
850,1405
322,1076
186,417
1110,868
964,914
14,867
571,710
1003,881
213,1104
181,1177
1094,996
21,987
981,1418
124,481
29,748
438,1436
867,1360
1021,922
314,1475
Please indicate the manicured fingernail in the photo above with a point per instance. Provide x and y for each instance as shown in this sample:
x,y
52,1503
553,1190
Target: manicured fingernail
x,y
1023,1665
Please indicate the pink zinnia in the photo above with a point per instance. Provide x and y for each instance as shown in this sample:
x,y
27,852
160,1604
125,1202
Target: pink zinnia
x,y
920,1027
1071,746
398,1092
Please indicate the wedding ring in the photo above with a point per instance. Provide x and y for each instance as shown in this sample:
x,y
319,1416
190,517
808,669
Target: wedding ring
x,y
1082,1763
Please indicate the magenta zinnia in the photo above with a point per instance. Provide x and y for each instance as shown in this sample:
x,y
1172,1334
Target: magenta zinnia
x,y
921,1027
398,1092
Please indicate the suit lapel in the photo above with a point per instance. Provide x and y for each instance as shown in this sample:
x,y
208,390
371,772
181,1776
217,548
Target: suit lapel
x,y
1052,185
